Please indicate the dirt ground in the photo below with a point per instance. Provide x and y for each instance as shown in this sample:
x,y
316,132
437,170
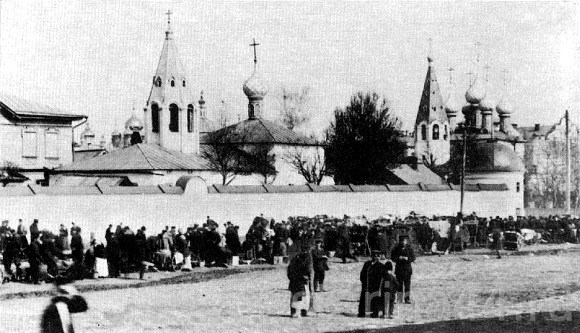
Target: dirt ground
x,y
457,293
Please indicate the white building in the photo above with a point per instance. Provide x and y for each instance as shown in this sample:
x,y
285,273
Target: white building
x,y
35,137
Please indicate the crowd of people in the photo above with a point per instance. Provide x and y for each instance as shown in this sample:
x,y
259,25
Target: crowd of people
x,y
46,254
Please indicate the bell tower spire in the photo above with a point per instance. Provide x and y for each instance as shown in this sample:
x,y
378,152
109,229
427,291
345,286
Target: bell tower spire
x,y
171,112
431,125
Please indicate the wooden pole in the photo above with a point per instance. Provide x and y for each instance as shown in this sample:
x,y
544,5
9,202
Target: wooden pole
x,y
568,160
464,154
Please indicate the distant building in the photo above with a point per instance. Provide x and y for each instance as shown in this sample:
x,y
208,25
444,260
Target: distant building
x,y
35,137
545,161
173,125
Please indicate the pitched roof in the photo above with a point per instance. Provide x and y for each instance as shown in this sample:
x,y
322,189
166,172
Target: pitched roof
x,y
22,108
140,157
256,130
431,106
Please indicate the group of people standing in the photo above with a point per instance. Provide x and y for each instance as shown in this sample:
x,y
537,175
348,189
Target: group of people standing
x,y
381,288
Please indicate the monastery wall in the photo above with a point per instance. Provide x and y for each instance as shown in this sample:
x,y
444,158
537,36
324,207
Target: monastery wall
x,y
95,208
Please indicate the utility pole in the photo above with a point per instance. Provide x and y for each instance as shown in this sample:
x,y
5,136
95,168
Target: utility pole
x,y
568,160
464,154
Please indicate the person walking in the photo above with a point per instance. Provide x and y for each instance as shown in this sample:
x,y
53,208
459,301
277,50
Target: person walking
x,y
403,256
56,318
300,272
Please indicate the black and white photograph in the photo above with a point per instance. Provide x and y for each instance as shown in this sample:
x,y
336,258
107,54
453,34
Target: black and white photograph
x,y
289,166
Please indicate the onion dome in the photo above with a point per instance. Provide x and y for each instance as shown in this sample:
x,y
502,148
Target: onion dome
x,y
255,86
134,123
452,107
486,104
475,93
466,108
504,107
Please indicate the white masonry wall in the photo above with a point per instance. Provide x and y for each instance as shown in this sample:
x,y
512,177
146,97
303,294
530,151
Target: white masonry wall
x,y
95,212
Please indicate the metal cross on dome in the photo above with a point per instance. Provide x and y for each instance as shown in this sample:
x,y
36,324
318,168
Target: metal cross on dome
x,y
169,13
254,44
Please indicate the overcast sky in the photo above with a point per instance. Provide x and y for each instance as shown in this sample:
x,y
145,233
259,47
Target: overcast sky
x,y
98,57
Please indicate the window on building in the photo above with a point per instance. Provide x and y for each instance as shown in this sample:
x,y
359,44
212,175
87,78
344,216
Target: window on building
x,y
189,118
173,118
435,132
172,82
155,114
51,144
157,81
518,187
423,132
184,83
29,144
445,133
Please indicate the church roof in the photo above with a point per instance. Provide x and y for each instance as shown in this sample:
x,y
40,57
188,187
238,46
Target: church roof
x,y
139,157
431,106
256,130
22,108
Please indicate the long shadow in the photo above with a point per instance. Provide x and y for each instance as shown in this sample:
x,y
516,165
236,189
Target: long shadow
x,y
541,322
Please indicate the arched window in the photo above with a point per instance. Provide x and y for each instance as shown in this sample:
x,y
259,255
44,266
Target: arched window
x,y
173,118
189,117
157,81
172,82
155,118
445,134
183,83
423,132
435,132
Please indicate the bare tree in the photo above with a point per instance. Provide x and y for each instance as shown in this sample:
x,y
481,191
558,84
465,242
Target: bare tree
x,y
294,106
311,166
229,156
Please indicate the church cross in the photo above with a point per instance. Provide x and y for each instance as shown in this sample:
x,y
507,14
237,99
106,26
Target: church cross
x,y
487,67
254,44
430,55
477,51
169,13
470,73
450,70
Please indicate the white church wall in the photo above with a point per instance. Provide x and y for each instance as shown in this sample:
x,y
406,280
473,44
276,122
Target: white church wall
x,y
95,212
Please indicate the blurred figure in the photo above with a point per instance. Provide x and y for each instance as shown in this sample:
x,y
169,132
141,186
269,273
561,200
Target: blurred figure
x,y
300,272
56,318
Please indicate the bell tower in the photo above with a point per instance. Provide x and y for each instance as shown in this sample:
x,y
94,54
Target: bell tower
x,y
171,117
432,130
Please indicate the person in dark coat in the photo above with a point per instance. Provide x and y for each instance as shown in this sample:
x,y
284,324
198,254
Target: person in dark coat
x,y
34,231
113,255
35,259
300,272
403,256
56,318
372,277
320,266
77,251
233,239
142,252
